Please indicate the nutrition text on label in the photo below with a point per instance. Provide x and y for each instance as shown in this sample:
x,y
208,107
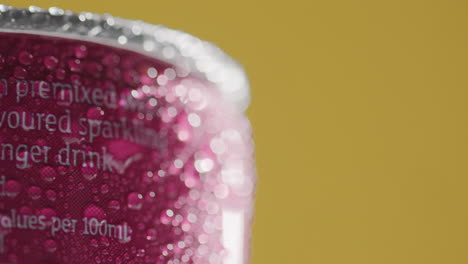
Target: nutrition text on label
x,y
91,129
66,121
87,226
64,93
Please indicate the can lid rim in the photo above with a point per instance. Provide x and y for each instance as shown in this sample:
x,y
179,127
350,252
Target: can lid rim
x,y
183,50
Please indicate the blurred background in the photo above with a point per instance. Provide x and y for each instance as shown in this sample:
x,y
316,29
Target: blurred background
x,y
360,119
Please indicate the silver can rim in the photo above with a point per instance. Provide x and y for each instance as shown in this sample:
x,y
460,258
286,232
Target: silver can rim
x,y
186,52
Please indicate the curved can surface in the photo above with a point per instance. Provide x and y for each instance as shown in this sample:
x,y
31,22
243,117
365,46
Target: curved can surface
x,y
120,142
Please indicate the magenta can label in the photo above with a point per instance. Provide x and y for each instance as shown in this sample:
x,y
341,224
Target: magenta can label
x,y
111,156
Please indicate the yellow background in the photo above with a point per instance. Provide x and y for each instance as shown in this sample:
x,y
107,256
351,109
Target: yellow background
x,y
361,121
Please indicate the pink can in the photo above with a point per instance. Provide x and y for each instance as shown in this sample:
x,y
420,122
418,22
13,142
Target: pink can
x,y
120,142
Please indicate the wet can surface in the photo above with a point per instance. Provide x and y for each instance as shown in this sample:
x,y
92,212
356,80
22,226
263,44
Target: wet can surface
x,y
109,154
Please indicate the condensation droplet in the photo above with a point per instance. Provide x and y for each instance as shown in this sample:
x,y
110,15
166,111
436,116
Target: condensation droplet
x,y
51,195
81,51
194,120
152,72
94,211
48,174
113,204
34,192
12,188
151,234
50,62
135,201
50,245
25,58
20,72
